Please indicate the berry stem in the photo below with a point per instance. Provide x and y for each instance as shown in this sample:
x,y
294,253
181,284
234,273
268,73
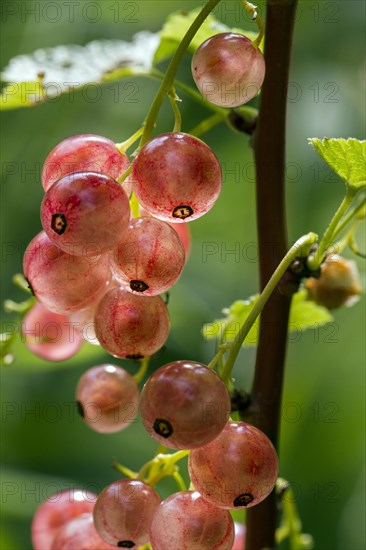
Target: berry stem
x,y
173,98
139,376
124,145
316,259
300,249
168,81
358,213
252,9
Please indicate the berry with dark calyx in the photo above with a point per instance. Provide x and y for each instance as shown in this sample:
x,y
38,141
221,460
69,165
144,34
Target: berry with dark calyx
x,y
108,396
338,284
129,325
124,511
49,335
177,177
79,534
186,521
83,153
228,70
182,229
149,258
57,510
85,211
238,469
63,283
184,405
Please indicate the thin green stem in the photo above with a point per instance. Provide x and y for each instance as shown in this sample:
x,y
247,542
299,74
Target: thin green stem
x,y
206,125
180,481
301,248
349,218
134,206
142,370
124,470
316,259
124,174
168,81
253,11
124,145
173,98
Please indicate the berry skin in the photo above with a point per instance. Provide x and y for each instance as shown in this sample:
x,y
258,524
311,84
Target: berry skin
x,y
338,285
182,229
149,258
124,511
236,470
63,283
108,397
228,70
186,521
56,511
83,153
131,326
79,534
240,534
184,405
177,177
85,212
49,335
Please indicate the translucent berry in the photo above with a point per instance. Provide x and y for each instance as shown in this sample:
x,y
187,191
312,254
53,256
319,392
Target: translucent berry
x,y
131,326
184,405
183,231
57,510
124,511
85,212
79,534
338,285
83,153
177,177
50,335
108,398
240,533
228,70
238,469
186,521
63,283
149,258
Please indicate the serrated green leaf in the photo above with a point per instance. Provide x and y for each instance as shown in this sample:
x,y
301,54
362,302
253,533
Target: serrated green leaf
x,y
304,314
347,157
177,25
23,94
49,73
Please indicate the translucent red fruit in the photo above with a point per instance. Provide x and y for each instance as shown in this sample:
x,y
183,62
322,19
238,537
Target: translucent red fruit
x,y
177,177
57,510
238,469
240,534
83,153
186,521
131,326
149,258
124,511
63,283
108,398
182,229
50,335
184,405
228,70
338,285
79,534
85,211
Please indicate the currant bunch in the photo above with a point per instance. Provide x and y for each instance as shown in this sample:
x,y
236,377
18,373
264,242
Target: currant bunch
x,y
103,270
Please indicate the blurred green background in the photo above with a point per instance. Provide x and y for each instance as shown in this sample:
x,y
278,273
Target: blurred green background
x,y
45,447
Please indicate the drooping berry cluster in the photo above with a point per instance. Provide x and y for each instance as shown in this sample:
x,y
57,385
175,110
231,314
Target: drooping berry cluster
x,y
103,272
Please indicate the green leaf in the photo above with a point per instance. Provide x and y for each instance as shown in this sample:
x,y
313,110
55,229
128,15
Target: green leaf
x,y
304,314
347,157
177,25
49,73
